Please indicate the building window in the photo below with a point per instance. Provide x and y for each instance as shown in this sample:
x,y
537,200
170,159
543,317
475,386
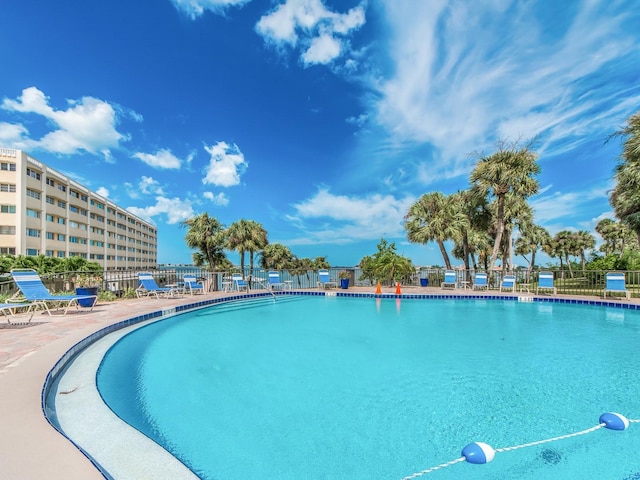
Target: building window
x,y
8,166
33,252
62,188
33,173
61,254
73,224
84,198
74,209
50,200
74,194
51,182
62,204
32,232
7,209
61,221
33,194
8,187
32,213
7,230
60,237
8,250
49,236
49,217
48,253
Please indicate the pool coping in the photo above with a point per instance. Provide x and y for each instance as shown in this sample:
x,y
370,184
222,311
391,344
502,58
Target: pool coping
x,y
32,449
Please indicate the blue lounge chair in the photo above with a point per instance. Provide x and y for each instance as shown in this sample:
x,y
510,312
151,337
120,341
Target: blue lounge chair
x,y
480,281
33,290
147,287
239,283
616,284
324,280
192,285
274,281
545,282
449,279
508,283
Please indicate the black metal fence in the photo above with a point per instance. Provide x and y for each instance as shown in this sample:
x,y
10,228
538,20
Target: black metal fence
x,y
589,282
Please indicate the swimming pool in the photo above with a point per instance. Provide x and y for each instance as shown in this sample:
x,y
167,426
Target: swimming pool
x,y
322,387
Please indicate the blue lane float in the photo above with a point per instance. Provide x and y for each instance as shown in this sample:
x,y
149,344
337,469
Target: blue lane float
x,y
478,453
614,421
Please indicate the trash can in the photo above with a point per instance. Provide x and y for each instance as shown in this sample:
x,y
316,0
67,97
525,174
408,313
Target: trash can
x,y
424,282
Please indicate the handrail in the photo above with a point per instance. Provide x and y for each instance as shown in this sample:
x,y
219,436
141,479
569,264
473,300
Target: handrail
x,y
259,282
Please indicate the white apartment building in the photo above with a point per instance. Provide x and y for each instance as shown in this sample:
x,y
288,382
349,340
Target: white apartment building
x,y
43,212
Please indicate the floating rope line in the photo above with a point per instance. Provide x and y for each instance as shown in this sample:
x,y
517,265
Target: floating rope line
x,y
554,439
433,469
480,453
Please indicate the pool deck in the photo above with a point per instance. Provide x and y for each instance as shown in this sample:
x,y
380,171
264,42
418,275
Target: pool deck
x,y
33,449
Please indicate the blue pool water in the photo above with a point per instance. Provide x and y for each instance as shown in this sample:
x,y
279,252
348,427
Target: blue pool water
x,y
362,388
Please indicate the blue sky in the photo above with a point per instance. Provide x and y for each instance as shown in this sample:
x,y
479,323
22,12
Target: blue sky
x,y
322,120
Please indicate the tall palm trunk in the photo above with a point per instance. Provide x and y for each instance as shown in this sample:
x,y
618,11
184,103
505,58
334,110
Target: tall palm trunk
x,y
569,265
445,255
499,232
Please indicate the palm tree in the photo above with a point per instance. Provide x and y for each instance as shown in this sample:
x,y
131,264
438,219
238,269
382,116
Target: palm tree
x,y
276,256
299,267
429,218
532,237
386,265
583,241
206,234
625,197
617,236
509,170
565,246
468,213
246,236
517,214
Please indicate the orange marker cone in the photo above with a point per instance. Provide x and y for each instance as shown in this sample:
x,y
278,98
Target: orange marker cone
x,y
398,291
378,289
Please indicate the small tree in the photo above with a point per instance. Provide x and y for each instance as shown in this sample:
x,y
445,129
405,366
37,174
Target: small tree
x,y
386,265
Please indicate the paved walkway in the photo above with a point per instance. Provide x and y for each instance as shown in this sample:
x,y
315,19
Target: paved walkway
x,y
31,448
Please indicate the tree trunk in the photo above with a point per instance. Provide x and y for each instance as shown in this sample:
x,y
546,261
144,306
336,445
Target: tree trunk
x,y
466,250
499,232
533,261
445,256
569,265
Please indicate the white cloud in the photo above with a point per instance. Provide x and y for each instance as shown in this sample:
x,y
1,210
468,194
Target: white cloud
x,y
463,75
88,124
103,192
12,134
226,166
162,159
323,50
175,210
310,23
148,185
195,8
341,219
557,206
219,199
